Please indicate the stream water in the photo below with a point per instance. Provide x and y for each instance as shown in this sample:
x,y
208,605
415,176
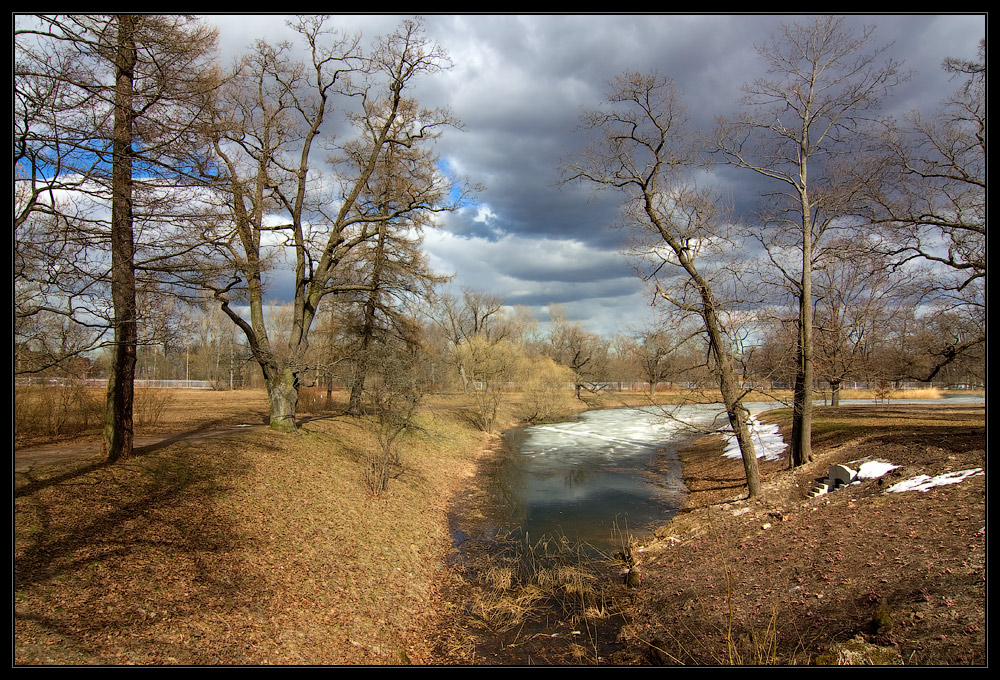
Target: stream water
x,y
601,476
605,474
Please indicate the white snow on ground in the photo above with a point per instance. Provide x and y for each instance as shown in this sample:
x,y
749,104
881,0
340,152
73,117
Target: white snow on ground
x,y
925,482
873,469
766,442
769,446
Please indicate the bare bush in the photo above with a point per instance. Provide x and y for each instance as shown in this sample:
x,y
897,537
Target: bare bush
x,y
149,404
54,410
393,396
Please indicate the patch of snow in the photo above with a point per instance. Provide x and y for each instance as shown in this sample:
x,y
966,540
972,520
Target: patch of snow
x,y
925,482
766,441
873,469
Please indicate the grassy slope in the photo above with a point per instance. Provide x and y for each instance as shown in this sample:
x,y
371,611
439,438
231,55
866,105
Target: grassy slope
x,y
248,548
252,547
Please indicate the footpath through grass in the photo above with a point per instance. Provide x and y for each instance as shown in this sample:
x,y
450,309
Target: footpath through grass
x,y
248,548
252,547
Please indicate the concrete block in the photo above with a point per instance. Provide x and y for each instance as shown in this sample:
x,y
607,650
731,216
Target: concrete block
x,y
840,475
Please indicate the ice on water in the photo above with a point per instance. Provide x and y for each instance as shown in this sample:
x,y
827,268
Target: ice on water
x,y
767,443
614,433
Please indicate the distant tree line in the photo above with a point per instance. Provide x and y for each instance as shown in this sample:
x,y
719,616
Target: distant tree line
x,y
159,194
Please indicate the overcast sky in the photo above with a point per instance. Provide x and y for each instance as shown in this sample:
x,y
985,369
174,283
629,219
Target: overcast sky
x,y
519,84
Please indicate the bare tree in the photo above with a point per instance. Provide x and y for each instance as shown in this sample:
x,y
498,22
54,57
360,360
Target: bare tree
x,y
662,353
586,354
117,101
641,149
476,314
931,200
824,82
944,343
936,193
268,123
393,398
857,296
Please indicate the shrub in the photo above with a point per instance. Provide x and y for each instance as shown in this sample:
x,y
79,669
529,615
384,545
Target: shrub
x,y
149,404
547,389
47,410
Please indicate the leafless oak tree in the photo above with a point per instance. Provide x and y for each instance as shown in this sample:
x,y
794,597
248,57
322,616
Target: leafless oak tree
x,y
642,150
824,83
268,125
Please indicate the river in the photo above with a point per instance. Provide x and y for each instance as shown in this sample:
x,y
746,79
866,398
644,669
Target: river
x,y
609,472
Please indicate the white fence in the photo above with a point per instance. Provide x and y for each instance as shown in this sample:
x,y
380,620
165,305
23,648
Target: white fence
x,y
103,383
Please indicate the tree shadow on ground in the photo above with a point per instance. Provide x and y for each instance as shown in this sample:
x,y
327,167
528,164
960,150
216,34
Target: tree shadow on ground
x,y
100,549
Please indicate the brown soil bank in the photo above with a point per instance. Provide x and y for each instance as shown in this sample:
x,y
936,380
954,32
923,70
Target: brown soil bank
x,y
858,575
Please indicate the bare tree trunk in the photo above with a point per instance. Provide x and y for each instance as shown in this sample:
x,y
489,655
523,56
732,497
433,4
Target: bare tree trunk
x,y
739,416
283,395
118,425
802,405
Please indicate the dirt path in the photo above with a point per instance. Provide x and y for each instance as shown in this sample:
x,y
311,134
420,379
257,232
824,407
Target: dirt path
x,y
29,457
81,448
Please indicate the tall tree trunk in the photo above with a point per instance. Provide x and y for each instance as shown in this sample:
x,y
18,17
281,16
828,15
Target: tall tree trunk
x,y
283,396
739,416
802,405
118,425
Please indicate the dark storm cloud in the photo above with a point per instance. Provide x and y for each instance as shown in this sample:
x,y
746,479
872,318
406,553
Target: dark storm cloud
x,y
519,84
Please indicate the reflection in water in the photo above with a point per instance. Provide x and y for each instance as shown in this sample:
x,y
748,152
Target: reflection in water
x,y
610,469
577,476
591,479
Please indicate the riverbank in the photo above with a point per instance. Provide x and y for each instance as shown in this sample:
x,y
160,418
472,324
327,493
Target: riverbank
x,y
251,547
246,547
788,579
254,547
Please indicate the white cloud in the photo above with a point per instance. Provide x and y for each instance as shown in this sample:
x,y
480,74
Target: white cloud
x,y
593,284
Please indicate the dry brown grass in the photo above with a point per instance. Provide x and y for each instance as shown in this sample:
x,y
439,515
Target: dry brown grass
x,y
532,603
786,578
890,394
53,411
38,410
251,547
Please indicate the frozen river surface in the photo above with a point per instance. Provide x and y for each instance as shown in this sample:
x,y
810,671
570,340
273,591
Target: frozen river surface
x,y
606,472
609,471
